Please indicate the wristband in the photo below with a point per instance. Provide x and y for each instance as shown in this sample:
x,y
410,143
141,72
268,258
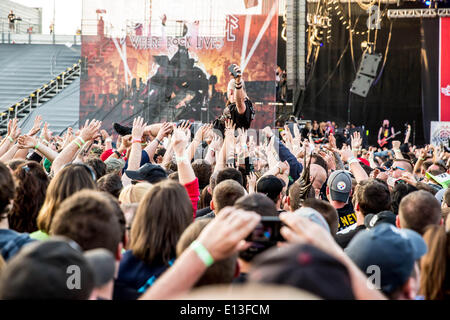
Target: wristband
x,y
180,159
352,160
136,141
75,141
117,153
396,150
37,146
202,253
10,139
81,140
159,141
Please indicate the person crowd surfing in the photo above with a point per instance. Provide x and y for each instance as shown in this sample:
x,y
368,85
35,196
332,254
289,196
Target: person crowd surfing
x,y
163,211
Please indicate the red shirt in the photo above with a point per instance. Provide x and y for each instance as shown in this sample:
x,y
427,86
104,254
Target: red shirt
x,y
193,191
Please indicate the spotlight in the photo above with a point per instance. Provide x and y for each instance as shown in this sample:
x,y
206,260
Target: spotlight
x,y
427,3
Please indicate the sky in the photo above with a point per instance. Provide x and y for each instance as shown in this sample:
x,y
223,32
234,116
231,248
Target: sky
x,y
69,13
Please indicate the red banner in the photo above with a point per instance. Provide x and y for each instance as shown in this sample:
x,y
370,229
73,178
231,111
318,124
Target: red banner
x,y
444,70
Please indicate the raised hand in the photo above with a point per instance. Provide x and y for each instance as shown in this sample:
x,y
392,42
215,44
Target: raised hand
x,y
26,142
90,130
36,126
165,129
225,234
201,133
15,131
138,128
229,127
45,134
179,141
251,180
356,140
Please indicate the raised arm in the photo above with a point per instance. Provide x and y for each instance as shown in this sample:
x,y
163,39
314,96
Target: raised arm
x,y
28,142
239,91
89,132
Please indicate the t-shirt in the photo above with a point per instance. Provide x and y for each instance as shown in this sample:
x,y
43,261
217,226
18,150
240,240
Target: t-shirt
x,y
347,216
11,17
242,120
343,239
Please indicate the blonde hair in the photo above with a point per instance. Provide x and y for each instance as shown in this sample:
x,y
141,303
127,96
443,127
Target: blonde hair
x,y
134,193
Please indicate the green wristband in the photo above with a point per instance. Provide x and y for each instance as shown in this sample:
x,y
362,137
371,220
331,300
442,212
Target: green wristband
x,y
37,146
202,253
10,139
81,140
75,141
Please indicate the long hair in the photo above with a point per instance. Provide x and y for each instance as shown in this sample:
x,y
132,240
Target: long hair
x,y
162,216
31,186
66,182
435,265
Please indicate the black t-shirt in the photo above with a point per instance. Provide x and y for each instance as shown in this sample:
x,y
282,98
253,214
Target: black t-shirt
x,y
347,216
305,133
11,17
343,239
242,120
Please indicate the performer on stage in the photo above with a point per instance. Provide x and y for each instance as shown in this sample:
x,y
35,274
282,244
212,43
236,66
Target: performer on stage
x,y
385,132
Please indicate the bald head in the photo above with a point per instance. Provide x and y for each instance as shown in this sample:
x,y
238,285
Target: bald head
x,y
419,209
319,175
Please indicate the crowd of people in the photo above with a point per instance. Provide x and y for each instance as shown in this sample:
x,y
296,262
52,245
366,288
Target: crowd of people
x,y
163,211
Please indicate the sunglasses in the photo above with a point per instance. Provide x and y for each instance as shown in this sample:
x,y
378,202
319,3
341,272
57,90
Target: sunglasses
x,y
395,168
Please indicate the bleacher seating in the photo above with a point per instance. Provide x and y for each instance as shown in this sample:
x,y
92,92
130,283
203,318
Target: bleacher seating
x,y
24,68
60,112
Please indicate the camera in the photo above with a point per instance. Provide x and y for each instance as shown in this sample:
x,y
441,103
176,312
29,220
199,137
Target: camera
x,y
267,232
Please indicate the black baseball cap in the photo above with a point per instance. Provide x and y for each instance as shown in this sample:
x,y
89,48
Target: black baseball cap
x,y
148,172
340,184
371,220
48,270
270,185
391,249
305,267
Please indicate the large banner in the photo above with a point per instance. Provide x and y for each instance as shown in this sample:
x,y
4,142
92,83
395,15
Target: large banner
x,y
169,70
440,133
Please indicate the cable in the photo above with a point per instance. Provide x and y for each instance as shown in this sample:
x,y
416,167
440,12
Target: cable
x,y
385,55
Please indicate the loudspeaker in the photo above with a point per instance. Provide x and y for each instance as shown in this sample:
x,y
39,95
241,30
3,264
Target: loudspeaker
x,y
361,85
369,64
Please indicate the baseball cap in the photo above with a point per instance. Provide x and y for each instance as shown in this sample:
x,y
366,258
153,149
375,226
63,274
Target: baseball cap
x,y
340,184
371,220
393,250
314,216
48,270
148,172
114,164
303,266
270,185
102,263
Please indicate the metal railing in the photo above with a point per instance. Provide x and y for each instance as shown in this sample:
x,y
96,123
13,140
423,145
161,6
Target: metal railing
x,y
20,27
35,98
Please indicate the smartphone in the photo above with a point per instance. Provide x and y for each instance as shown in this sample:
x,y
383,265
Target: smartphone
x,y
231,69
267,232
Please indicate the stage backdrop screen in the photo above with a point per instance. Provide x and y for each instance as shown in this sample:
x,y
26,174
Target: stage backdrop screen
x,y
168,60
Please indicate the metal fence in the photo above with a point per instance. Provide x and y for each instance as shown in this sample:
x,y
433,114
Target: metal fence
x,y
20,27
